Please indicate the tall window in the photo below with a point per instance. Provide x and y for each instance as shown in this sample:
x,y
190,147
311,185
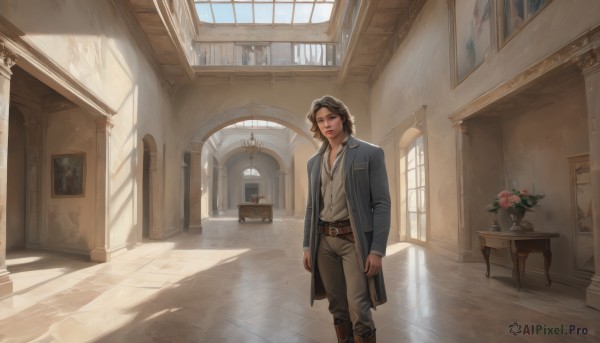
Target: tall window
x,y
415,191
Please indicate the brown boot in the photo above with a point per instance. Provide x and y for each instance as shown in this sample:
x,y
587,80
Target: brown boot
x,y
370,338
343,330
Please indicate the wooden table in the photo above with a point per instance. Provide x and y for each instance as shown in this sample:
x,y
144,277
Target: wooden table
x,y
520,243
250,210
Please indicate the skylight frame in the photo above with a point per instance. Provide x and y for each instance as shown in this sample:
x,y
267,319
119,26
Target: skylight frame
x,y
321,11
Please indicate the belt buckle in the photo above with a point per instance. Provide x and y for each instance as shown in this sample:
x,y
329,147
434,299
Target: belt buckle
x,y
333,231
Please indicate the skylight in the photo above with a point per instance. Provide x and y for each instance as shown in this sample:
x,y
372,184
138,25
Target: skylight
x,y
264,11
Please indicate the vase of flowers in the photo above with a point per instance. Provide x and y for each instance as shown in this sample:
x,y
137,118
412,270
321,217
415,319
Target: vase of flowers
x,y
516,203
255,198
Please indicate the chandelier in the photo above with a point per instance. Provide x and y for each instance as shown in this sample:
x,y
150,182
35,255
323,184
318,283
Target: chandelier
x,y
251,146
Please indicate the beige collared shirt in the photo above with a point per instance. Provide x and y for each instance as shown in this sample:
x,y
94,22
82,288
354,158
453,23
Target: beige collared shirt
x,y
332,186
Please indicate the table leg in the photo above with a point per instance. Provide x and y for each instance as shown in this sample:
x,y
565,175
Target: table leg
x,y
516,272
522,259
486,256
547,261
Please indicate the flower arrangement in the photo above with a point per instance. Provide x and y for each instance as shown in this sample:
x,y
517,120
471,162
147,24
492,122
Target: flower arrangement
x,y
515,199
254,198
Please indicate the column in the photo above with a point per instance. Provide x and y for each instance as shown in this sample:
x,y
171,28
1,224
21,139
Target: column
x,y
221,194
101,250
281,197
7,60
465,248
290,190
195,186
589,63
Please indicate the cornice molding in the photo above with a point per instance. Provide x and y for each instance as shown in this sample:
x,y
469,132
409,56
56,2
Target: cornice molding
x,y
589,61
7,56
568,54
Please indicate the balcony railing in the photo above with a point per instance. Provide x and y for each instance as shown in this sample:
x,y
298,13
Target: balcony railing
x,y
266,54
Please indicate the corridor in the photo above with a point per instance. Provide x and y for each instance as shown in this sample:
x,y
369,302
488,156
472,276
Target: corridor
x,y
244,282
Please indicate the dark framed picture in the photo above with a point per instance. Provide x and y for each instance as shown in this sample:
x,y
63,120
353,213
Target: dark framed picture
x,y
68,175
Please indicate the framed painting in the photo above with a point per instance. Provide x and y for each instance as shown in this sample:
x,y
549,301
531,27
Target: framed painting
x,y
471,35
513,15
68,175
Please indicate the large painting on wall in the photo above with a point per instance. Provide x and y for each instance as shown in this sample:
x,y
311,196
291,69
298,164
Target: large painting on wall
x,y
68,175
471,35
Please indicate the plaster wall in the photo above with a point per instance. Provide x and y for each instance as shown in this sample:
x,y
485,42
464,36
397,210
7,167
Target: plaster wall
x,y
15,196
89,41
536,150
68,225
419,73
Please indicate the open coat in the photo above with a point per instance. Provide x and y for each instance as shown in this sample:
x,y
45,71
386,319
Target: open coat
x,y
368,199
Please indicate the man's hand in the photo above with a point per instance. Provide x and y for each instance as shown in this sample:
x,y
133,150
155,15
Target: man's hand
x,y
306,260
373,265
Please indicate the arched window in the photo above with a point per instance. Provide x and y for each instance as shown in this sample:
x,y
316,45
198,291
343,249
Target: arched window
x,y
250,172
416,221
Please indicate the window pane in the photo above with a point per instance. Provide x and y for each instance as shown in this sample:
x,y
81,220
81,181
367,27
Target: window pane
x,y
263,13
223,13
243,13
411,179
421,176
423,227
283,13
204,13
421,199
302,13
322,13
411,200
412,225
410,157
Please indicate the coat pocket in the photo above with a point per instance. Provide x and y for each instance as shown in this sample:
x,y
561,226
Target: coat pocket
x,y
360,166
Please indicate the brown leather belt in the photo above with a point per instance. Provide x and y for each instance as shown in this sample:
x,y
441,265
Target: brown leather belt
x,y
335,229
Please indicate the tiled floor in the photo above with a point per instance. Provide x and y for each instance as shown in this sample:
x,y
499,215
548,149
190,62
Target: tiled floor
x,y
245,283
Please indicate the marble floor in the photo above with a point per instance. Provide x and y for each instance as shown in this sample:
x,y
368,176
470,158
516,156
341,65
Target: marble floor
x,y
245,283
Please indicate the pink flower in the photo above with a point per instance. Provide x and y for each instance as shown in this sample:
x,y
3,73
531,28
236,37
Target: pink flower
x,y
503,202
525,192
504,194
514,199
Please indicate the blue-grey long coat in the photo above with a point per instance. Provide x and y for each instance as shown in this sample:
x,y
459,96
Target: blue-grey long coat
x,y
368,198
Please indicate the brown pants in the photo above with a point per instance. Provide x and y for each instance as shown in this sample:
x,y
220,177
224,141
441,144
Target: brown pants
x,y
345,283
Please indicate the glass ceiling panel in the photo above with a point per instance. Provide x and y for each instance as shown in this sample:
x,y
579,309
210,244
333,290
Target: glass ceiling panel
x,y
264,11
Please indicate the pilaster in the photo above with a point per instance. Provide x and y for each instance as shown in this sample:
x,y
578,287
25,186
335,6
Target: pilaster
x,y
7,59
589,63
195,186
101,251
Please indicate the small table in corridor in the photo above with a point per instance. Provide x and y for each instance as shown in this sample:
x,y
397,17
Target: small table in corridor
x,y
520,243
251,210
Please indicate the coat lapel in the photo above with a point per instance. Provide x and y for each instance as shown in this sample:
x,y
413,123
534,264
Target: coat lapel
x,y
350,153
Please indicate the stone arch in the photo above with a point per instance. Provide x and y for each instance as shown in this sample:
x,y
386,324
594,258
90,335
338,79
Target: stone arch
x,y
253,111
